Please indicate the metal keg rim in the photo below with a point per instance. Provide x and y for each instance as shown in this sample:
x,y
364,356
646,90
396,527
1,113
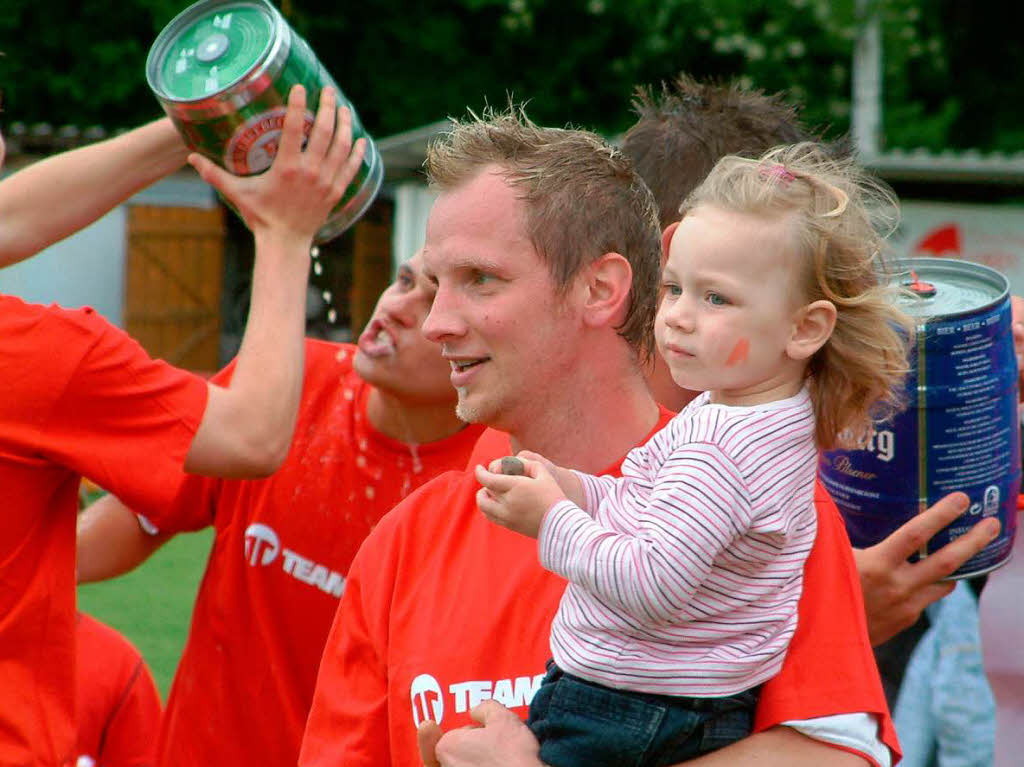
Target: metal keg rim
x,y
954,269
243,90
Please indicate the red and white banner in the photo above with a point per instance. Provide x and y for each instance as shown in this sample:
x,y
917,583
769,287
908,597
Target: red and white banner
x,y
992,235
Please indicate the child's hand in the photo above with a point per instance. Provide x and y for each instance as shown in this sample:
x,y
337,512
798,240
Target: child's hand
x,y
517,502
566,479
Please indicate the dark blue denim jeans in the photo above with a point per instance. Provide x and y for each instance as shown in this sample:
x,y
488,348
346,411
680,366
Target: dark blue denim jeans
x,y
582,724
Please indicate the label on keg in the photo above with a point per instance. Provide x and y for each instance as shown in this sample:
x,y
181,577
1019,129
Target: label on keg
x,y
959,432
254,144
223,70
970,424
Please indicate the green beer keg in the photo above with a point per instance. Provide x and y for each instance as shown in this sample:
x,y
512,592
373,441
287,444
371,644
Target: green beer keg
x,y
222,70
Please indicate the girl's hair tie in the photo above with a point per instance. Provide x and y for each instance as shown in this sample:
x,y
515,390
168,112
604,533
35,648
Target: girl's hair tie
x,y
776,172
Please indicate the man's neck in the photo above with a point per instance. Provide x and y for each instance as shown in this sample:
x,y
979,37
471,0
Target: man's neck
x,y
595,429
414,422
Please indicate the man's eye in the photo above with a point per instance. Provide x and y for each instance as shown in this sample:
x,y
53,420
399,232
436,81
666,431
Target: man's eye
x,y
482,278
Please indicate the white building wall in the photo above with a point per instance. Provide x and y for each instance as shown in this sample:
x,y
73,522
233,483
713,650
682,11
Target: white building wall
x,y
86,269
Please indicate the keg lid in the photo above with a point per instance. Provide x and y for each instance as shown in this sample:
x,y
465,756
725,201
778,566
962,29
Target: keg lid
x,y
945,287
209,47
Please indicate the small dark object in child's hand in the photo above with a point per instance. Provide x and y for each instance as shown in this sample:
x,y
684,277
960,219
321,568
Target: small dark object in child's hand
x,y
512,465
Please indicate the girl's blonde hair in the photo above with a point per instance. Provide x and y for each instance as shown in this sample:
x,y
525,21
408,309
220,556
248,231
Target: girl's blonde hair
x,y
840,219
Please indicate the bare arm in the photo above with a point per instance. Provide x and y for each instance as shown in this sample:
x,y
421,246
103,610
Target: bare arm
x,y
247,428
780,747
505,741
111,542
896,591
53,198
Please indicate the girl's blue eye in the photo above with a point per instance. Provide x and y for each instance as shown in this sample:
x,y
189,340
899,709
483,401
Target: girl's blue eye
x,y
717,299
671,289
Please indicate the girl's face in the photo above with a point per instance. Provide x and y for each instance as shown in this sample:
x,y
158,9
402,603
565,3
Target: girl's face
x,y
730,306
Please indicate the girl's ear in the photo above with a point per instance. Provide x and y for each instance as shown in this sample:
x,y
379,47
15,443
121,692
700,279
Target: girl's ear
x,y
812,326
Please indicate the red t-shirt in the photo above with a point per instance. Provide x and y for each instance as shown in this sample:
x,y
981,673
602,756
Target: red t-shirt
x,y
118,703
79,397
282,550
405,647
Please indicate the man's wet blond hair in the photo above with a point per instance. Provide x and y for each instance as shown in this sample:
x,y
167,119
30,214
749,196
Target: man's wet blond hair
x,y
839,219
582,197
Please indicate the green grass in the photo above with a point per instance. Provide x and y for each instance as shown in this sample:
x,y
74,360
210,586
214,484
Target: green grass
x,y
152,605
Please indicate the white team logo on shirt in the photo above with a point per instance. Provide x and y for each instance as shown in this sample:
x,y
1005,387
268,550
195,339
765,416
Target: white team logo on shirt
x,y
261,544
427,700
428,696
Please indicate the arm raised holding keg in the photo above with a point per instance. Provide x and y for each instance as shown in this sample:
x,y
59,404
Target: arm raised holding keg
x,y
55,197
246,428
284,208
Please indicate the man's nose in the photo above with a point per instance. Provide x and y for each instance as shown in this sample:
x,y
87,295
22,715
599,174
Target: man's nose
x,y
443,320
401,307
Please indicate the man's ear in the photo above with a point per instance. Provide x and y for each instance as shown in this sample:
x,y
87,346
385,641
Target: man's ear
x,y
812,326
666,241
607,282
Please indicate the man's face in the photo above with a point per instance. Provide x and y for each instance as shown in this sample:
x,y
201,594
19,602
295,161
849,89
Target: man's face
x,y
729,303
505,332
392,353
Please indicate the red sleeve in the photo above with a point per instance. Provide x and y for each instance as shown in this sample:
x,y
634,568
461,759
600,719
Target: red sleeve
x,y
829,667
124,420
348,720
195,504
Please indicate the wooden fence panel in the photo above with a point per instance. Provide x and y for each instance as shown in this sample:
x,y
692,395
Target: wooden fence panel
x,y
174,273
371,272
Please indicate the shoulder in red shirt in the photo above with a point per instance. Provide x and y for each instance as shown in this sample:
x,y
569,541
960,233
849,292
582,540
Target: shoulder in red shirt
x,y
118,705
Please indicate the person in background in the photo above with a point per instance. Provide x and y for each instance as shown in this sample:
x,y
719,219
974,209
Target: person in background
x,y
117,703
376,421
82,399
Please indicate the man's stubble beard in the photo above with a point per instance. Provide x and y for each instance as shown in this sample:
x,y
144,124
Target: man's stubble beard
x,y
482,412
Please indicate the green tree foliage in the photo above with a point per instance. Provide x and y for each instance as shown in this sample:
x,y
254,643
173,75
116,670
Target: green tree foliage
x,y
79,61
404,64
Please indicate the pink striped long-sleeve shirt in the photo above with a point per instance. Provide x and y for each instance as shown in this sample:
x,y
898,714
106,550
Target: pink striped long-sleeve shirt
x,y
685,579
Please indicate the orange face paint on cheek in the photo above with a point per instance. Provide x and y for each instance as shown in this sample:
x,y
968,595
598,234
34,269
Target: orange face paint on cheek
x,y
739,353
